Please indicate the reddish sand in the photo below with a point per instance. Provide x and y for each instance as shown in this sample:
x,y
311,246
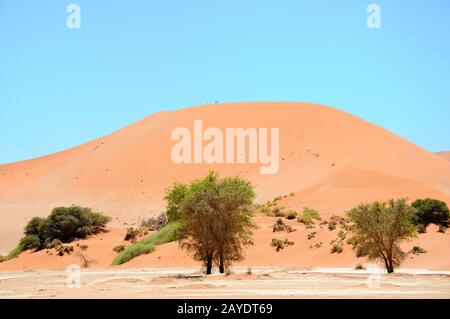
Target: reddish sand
x,y
445,155
329,159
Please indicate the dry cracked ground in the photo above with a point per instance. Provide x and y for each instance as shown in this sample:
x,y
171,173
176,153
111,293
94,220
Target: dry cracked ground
x,y
263,282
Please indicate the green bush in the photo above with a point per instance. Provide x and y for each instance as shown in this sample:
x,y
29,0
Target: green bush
x,y
431,211
171,232
63,225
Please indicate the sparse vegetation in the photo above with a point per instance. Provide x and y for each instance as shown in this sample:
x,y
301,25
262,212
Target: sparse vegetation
x,y
280,244
379,228
171,232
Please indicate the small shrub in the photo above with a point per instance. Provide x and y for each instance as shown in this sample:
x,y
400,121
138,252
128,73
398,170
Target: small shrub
x,y
119,248
84,247
442,229
342,235
318,245
277,212
131,234
64,249
280,226
278,198
360,266
155,223
280,244
331,226
85,262
312,235
336,248
308,216
416,250
291,214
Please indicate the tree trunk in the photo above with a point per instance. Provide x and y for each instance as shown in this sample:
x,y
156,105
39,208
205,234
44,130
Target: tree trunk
x,y
208,265
390,268
221,264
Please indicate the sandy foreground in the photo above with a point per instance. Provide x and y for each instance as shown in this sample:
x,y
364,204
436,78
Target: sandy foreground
x,y
263,282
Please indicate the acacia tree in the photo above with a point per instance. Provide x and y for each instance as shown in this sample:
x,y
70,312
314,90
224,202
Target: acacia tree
x,y
216,218
378,228
431,211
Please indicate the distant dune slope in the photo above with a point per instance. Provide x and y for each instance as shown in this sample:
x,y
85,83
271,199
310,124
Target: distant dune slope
x,y
330,159
445,155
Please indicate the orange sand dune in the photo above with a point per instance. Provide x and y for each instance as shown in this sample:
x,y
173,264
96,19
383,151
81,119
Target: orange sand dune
x,y
331,160
445,155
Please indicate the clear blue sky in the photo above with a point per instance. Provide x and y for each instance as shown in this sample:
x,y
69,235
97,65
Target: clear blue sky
x,y
61,87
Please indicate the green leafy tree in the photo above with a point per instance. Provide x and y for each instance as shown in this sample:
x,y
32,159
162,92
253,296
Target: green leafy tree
x,y
216,216
431,211
378,229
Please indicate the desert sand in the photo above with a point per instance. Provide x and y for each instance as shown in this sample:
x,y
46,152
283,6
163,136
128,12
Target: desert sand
x,y
329,160
445,155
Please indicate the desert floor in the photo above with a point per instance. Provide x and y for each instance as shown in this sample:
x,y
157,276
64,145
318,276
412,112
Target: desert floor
x,y
263,282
